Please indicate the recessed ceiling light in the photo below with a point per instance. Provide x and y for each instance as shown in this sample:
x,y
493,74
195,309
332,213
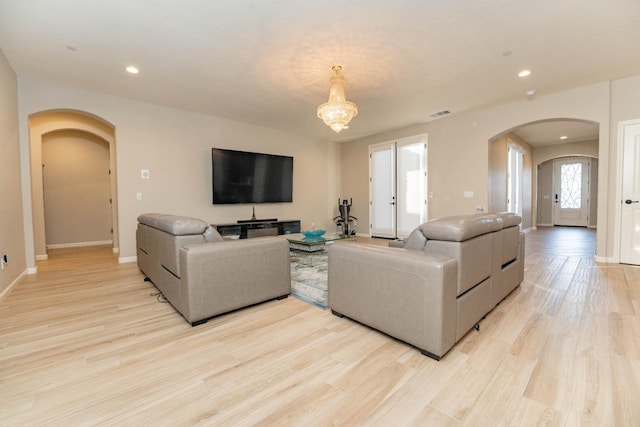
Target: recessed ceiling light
x,y
524,73
564,137
132,70
531,92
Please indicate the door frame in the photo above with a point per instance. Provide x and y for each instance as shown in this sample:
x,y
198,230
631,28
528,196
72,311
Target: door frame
x,y
617,240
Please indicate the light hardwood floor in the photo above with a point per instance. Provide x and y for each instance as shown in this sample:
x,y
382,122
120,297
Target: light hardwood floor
x,y
85,343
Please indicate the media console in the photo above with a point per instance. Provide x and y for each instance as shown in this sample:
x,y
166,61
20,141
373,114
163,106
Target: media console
x,y
248,229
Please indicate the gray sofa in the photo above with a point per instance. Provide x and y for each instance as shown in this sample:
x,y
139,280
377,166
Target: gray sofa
x,y
432,288
201,274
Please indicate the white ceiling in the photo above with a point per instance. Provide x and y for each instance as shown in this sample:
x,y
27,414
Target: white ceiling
x,y
268,62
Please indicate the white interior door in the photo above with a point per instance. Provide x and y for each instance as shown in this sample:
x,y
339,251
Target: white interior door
x,y
514,177
382,191
630,221
411,185
571,191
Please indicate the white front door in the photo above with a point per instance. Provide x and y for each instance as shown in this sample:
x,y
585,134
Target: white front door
x,y
571,188
630,221
382,197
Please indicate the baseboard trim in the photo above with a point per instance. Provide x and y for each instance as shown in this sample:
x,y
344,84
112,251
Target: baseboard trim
x,y
6,290
42,257
126,259
80,244
116,250
607,260
32,270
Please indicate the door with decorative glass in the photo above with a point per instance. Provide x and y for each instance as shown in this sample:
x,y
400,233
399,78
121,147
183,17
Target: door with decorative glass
x,y
571,188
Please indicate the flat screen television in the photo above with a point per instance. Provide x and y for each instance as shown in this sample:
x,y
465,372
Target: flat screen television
x,y
244,177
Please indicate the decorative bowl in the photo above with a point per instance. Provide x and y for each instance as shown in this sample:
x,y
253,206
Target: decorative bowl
x,y
314,233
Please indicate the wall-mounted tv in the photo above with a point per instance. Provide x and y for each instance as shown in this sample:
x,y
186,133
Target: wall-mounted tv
x,y
244,177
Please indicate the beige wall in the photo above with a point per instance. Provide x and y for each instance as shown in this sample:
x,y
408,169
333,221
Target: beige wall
x,y
76,189
175,146
548,152
498,168
11,218
459,154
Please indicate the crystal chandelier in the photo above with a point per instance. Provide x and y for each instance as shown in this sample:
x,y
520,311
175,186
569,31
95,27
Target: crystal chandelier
x,y
337,112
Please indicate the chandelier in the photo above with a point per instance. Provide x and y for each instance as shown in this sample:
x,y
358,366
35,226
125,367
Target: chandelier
x,y
337,112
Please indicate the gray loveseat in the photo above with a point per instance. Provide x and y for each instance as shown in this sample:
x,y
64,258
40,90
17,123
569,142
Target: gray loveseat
x,y
201,274
441,281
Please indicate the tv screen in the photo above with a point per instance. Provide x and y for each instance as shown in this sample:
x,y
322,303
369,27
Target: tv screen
x,y
243,177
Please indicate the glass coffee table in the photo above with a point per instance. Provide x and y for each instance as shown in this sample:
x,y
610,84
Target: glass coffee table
x,y
301,243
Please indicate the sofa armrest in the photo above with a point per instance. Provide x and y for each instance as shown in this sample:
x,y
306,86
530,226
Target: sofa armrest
x,y
410,295
223,276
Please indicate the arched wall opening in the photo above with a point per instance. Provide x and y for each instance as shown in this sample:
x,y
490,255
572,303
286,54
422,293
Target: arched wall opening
x,y
46,122
538,146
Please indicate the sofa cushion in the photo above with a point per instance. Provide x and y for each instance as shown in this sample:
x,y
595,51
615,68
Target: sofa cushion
x,y
509,219
174,224
416,240
460,228
212,235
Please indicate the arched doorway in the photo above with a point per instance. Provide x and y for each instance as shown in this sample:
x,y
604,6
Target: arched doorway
x,y
539,141
46,122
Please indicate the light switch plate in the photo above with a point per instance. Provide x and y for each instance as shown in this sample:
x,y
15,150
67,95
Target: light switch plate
x,y
144,174
468,194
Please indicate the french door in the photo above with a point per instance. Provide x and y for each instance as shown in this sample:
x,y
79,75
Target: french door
x,y
397,187
571,191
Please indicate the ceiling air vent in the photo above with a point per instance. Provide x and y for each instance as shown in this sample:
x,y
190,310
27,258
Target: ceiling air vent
x,y
440,114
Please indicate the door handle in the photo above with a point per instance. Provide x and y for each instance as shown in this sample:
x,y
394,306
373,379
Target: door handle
x,y
629,201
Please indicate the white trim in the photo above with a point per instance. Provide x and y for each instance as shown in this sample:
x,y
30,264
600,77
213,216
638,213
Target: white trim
x,y
80,244
607,260
116,250
545,225
126,259
32,270
6,290
363,235
42,257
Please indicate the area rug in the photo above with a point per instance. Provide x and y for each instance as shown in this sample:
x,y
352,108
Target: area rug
x,y
309,278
